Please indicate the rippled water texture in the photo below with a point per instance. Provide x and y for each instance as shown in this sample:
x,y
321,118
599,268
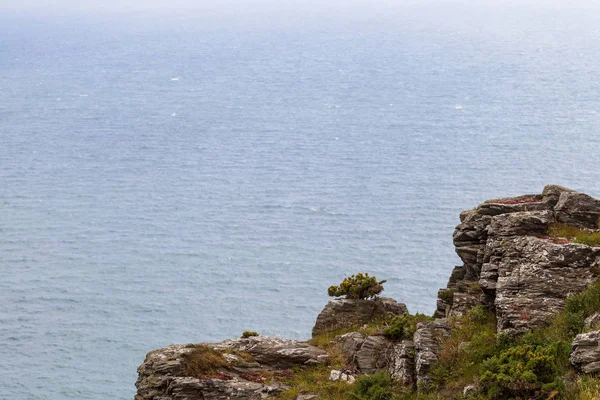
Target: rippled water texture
x,y
173,181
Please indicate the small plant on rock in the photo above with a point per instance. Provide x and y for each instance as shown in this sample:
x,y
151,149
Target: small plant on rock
x,y
404,326
359,286
247,334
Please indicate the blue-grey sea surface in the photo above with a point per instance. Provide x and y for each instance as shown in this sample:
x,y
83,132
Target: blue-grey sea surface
x,y
182,178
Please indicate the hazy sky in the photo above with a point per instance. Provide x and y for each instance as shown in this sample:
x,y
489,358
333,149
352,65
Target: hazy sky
x,y
268,5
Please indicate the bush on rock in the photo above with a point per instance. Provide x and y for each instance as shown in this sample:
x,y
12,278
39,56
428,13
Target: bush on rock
x,y
359,286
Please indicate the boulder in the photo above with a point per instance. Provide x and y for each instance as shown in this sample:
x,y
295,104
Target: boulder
x,y
585,355
578,209
348,313
551,194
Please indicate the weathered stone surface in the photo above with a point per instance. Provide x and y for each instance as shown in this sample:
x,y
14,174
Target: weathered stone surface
x,y
520,223
277,353
401,363
373,354
347,313
470,391
463,302
345,376
585,355
161,375
551,194
592,322
350,343
534,276
578,209
428,339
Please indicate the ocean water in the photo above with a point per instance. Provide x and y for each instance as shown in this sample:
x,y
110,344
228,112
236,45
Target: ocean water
x,y
176,179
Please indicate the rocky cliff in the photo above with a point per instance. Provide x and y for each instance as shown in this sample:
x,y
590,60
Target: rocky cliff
x,y
528,281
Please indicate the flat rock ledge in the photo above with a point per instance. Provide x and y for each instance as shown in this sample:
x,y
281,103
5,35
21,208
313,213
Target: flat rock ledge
x,y
251,371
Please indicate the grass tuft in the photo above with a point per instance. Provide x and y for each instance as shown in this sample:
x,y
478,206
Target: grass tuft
x,y
574,234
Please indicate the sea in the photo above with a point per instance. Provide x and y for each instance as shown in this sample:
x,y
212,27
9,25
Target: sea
x,y
179,177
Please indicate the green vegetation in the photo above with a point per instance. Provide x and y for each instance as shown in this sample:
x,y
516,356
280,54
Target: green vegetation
x,y
404,326
359,286
203,361
247,334
378,386
315,380
574,234
531,366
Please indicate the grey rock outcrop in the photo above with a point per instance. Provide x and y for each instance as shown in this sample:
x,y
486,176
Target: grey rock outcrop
x,y
532,277
585,354
578,209
373,353
401,364
162,375
347,313
511,267
427,340
592,322
368,353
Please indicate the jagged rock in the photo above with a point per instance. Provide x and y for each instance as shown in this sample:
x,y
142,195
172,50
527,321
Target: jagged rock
x,y
578,209
585,355
162,374
428,339
350,343
463,302
373,355
348,313
551,194
401,364
469,390
336,375
592,322
534,276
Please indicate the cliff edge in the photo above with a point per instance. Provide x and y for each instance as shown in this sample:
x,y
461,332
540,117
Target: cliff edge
x,y
518,319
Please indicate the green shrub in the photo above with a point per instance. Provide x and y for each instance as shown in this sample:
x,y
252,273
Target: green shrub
x,y
378,386
404,326
472,340
359,286
447,295
247,334
523,370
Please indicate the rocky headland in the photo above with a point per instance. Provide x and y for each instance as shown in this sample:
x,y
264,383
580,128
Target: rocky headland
x,y
518,319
